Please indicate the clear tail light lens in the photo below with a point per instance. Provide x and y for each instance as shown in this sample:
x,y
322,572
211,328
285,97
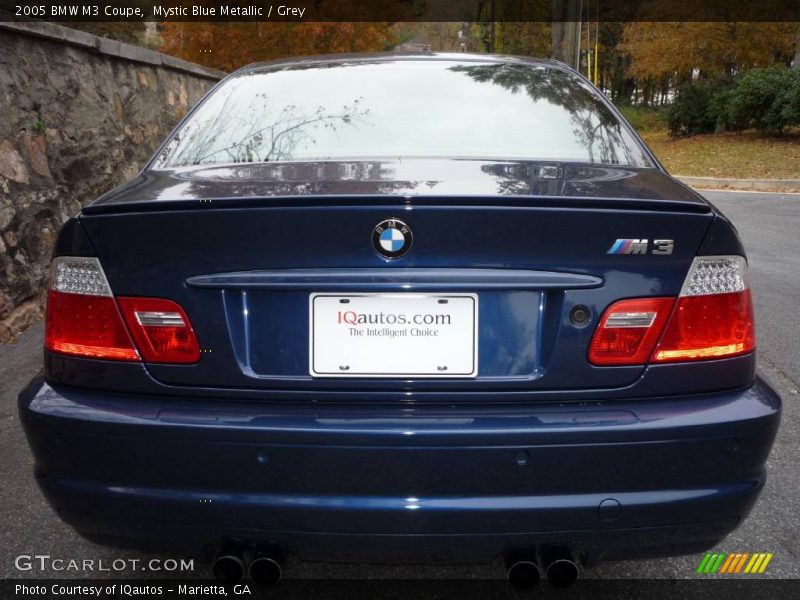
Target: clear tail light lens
x,y
713,317
715,275
161,329
82,317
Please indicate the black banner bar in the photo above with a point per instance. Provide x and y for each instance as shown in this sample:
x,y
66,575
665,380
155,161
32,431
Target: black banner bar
x,y
729,588
620,11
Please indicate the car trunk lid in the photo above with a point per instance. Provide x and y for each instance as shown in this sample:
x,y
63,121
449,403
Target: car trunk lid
x,y
244,261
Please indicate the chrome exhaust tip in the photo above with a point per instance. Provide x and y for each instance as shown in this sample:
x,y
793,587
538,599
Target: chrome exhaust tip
x,y
228,569
561,570
523,574
265,570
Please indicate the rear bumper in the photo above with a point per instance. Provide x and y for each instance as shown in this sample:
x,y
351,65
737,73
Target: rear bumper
x,y
614,479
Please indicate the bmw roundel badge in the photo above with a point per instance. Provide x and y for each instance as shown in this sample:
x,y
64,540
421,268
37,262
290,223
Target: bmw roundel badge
x,y
392,238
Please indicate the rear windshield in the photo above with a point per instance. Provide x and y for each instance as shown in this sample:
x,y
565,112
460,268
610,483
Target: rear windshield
x,y
403,109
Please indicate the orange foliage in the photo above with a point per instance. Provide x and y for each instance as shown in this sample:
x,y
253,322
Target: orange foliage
x,y
663,49
228,46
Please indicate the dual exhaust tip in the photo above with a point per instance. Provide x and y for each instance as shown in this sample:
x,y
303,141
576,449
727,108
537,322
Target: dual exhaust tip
x,y
525,570
231,567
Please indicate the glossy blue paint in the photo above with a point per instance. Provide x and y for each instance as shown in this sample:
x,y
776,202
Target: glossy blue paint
x,y
412,474
279,236
246,446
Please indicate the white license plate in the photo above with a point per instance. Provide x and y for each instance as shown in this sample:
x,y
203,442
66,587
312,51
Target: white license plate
x,y
393,335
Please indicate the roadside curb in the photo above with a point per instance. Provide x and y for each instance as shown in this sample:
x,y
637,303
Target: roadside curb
x,y
764,185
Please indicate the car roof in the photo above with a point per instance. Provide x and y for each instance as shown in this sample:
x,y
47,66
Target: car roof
x,y
354,58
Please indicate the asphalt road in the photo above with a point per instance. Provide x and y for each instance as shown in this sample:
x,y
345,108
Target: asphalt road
x,y
770,227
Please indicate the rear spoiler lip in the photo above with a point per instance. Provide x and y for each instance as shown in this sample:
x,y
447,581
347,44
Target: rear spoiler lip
x,y
328,200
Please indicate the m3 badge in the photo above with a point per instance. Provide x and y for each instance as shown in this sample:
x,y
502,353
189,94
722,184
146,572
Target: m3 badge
x,y
641,246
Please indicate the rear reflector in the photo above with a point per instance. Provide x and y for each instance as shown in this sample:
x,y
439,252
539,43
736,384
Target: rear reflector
x,y
629,330
82,317
712,318
161,330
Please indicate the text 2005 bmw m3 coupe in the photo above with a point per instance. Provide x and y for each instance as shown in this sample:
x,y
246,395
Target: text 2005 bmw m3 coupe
x,y
402,308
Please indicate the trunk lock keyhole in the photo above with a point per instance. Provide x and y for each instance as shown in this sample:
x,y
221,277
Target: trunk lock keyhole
x,y
580,316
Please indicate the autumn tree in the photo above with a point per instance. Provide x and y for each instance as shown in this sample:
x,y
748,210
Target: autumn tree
x,y
716,49
228,46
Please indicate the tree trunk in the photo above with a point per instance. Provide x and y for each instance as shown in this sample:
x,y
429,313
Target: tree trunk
x,y
796,61
566,16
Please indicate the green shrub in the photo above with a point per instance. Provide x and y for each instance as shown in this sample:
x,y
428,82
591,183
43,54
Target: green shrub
x,y
644,119
767,99
694,109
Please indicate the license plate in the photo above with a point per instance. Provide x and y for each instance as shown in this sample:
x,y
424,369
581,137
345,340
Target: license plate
x,y
393,335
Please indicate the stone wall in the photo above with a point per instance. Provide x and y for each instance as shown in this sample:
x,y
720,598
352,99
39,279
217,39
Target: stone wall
x,y
78,115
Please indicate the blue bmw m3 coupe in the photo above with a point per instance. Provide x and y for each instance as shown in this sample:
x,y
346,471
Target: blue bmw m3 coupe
x,y
402,308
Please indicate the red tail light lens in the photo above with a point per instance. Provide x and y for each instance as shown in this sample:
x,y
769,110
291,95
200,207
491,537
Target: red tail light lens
x,y
161,330
82,317
90,326
704,327
629,330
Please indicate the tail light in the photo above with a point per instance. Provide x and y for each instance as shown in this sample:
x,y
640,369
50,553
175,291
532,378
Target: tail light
x,y
712,318
161,330
83,319
629,331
